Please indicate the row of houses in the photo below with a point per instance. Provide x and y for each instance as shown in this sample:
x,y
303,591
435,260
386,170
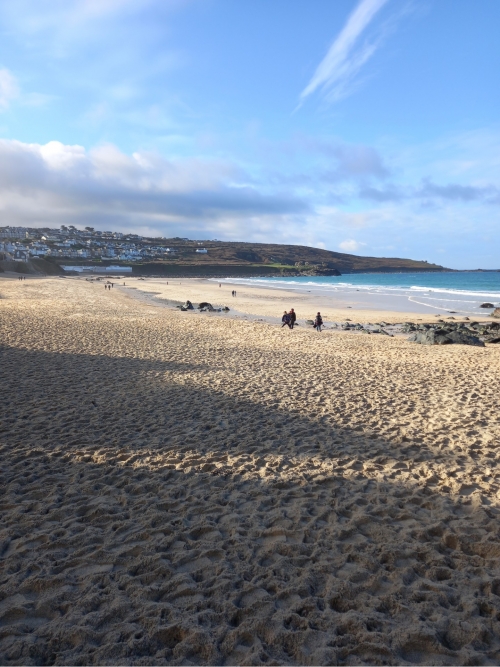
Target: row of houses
x,y
72,243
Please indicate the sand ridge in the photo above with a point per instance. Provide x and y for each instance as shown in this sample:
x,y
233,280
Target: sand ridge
x,y
212,491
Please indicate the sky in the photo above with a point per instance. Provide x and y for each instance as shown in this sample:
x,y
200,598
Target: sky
x,y
363,126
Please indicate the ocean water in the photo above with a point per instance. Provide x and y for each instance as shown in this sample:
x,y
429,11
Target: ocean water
x,y
460,291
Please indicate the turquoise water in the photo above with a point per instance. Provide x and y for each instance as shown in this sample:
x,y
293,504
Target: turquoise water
x,y
459,291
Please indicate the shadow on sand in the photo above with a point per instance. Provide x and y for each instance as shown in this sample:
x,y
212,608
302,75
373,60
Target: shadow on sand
x,y
146,520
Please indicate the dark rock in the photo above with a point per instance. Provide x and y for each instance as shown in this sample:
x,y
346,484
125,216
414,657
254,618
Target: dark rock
x,y
494,339
205,305
319,272
486,305
463,339
496,313
429,338
310,322
226,309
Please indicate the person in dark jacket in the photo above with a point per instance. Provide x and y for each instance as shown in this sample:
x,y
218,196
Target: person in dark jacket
x,y
293,318
286,320
318,322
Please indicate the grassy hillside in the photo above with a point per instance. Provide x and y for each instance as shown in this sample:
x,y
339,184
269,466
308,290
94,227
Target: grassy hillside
x,y
286,257
224,258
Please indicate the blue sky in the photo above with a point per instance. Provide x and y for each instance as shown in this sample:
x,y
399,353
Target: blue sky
x,y
365,126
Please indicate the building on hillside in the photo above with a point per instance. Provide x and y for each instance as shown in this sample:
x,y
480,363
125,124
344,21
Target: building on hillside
x,y
13,233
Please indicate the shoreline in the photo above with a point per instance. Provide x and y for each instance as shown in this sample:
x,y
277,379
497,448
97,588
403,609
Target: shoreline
x,y
270,302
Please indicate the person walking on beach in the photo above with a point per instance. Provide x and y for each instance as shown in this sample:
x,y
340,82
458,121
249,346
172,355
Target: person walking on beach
x,y
293,318
286,320
318,322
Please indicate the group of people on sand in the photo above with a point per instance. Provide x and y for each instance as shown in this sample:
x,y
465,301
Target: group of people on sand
x,y
22,278
289,319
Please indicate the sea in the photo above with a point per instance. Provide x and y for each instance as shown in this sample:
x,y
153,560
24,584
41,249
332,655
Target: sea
x,y
459,291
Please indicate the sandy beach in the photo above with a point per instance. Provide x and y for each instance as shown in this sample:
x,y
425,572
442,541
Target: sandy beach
x,y
185,489
262,301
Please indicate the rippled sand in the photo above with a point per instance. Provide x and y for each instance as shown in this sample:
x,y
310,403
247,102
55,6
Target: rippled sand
x,y
200,490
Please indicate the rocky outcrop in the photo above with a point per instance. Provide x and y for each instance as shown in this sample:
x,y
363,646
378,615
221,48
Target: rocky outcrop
x,y
486,305
430,337
451,333
496,313
320,272
464,339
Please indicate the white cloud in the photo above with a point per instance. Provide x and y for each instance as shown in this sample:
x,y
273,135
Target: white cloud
x,y
57,183
9,89
350,245
335,74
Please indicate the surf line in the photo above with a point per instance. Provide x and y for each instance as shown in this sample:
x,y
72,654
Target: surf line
x,y
466,312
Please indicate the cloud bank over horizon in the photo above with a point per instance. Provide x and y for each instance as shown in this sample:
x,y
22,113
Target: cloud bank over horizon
x,y
53,184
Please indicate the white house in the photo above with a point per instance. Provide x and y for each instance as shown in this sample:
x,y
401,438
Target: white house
x,y
202,250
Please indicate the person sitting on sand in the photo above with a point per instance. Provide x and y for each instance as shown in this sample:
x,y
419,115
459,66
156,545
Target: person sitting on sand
x,y
286,320
293,318
318,322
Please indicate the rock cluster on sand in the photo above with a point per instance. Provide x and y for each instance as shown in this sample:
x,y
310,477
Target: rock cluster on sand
x,y
203,307
473,333
496,313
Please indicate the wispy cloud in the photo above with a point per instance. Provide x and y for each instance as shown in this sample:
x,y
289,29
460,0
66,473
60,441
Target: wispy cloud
x,y
9,89
335,74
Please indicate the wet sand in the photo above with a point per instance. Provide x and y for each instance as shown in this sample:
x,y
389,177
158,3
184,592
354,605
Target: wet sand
x,y
181,489
260,301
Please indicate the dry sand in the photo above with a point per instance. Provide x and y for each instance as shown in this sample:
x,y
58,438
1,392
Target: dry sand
x,y
200,490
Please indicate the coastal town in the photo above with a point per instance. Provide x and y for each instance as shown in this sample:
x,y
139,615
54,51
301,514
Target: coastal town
x,y
68,242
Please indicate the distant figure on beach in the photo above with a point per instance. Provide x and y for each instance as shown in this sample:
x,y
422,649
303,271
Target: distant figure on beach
x,y
286,320
219,284
318,322
124,283
293,318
